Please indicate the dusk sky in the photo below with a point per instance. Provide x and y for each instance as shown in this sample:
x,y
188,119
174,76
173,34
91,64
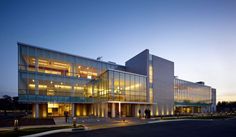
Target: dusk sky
x,y
199,36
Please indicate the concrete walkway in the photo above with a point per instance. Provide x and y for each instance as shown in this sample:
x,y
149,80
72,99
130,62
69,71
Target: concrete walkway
x,y
93,124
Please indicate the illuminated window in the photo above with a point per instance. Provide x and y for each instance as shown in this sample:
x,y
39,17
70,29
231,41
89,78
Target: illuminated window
x,y
50,93
151,94
89,77
32,86
150,74
62,86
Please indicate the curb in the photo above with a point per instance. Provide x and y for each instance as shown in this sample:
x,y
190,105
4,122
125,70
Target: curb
x,y
57,131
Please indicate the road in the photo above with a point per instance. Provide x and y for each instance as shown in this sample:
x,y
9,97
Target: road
x,y
190,128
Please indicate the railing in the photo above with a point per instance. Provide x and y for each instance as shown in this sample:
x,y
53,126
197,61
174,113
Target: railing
x,y
53,93
192,103
55,72
66,99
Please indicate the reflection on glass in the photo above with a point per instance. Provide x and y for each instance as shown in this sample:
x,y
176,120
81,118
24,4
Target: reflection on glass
x,y
123,86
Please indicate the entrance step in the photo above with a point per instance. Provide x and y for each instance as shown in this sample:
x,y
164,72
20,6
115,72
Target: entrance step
x,y
59,120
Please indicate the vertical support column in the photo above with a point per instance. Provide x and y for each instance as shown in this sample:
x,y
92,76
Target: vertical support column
x,y
36,92
136,109
36,77
36,110
113,110
36,64
73,89
99,109
142,107
106,110
73,109
36,86
96,109
102,109
151,108
155,110
73,69
119,109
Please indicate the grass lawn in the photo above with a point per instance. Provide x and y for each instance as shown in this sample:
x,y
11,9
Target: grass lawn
x,y
199,117
28,131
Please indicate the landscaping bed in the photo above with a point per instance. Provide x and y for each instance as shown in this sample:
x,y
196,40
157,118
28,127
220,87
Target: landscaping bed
x,y
29,131
27,122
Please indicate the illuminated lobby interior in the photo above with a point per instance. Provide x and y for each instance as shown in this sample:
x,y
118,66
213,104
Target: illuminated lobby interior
x,y
56,82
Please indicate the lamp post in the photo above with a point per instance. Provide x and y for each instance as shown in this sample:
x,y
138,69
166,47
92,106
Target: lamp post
x,y
74,122
16,125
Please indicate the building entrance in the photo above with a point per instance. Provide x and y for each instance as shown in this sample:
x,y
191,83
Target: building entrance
x,y
56,109
121,110
187,110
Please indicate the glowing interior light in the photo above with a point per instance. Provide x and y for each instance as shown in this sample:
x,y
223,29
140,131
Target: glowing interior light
x,y
60,64
78,88
53,105
39,86
62,86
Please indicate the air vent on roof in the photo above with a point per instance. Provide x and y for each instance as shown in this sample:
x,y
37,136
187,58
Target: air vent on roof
x,y
99,58
201,83
111,62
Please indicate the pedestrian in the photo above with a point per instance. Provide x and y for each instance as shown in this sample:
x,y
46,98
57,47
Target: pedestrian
x,y
139,112
66,116
146,113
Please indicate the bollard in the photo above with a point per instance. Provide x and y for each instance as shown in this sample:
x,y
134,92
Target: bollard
x,y
74,122
16,126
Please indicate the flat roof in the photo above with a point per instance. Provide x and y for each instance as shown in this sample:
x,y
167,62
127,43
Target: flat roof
x,y
193,83
33,46
126,72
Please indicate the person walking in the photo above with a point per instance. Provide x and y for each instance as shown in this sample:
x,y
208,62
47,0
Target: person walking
x,y
66,116
139,112
146,113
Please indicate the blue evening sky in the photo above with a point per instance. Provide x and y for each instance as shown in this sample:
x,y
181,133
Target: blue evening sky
x,y
198,35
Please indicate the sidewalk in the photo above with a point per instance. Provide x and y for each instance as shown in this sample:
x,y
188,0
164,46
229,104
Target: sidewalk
x,y
96,124
33,126
91,123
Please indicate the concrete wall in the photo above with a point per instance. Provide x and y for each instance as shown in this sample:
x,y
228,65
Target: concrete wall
x,y
163,81
139,63
163,86
213,100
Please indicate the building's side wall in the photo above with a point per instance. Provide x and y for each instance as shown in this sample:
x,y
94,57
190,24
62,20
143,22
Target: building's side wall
x,y
139,63
213,100
163,86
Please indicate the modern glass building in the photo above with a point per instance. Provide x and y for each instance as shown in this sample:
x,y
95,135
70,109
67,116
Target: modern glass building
x,y
193,97
56,82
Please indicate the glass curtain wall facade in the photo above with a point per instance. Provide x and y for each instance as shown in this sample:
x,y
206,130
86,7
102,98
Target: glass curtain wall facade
x,y
51,77
55,83
116,85
191,97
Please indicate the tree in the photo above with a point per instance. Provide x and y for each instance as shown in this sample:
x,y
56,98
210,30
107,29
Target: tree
x,y
6,103
225,106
